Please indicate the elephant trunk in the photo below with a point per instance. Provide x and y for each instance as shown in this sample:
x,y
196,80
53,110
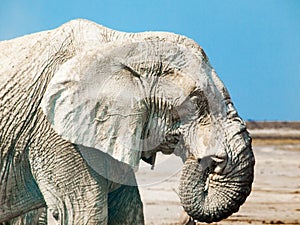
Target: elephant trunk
x,y
208,196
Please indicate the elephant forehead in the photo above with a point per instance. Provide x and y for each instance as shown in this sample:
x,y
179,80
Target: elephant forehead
x,y
150,55
166,67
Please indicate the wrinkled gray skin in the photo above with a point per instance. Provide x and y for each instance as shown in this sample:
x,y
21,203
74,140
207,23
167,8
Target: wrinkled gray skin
x,y
82,104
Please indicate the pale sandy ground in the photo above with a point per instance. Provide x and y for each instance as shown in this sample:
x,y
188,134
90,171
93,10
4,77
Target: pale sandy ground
x,y
275,198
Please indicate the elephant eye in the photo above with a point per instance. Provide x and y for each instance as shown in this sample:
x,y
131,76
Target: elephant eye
x,y
200,101
195,106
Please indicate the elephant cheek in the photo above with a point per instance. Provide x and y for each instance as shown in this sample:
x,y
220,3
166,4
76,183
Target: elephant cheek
x,y
210,197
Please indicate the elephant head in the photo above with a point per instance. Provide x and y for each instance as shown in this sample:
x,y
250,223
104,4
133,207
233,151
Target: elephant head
x,y
139,94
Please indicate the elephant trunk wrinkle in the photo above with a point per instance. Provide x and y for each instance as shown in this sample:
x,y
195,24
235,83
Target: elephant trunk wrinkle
x,y
208,196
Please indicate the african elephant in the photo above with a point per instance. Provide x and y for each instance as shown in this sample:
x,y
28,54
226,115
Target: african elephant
x,y
81,105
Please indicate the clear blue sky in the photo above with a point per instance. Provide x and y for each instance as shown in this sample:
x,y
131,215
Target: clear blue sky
x,y
254,45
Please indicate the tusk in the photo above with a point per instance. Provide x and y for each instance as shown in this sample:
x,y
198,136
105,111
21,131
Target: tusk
x,y
217,159
221,164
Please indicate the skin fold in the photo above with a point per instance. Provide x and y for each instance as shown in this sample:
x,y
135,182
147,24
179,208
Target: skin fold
x,y
81,105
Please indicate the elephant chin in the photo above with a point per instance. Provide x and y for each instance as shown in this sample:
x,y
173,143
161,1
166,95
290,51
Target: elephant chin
x,y
210,197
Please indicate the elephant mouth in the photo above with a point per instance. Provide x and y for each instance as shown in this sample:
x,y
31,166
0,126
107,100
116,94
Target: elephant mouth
x,y
211,166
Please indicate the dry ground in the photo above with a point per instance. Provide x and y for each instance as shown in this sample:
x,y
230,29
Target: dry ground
x,y
275,198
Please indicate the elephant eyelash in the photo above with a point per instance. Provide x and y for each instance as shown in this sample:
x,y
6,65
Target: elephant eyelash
x,y
132,71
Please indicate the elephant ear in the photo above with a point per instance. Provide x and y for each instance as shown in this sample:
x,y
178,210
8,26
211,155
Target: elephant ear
x,y
94,100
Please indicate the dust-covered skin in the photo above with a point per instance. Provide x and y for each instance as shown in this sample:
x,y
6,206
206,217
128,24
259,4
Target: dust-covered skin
x,y
82,104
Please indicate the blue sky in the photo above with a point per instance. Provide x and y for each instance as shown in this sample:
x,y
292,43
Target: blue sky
x,y
253,45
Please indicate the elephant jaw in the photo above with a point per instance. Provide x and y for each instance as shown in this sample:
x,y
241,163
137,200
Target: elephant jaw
x,y
212,188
